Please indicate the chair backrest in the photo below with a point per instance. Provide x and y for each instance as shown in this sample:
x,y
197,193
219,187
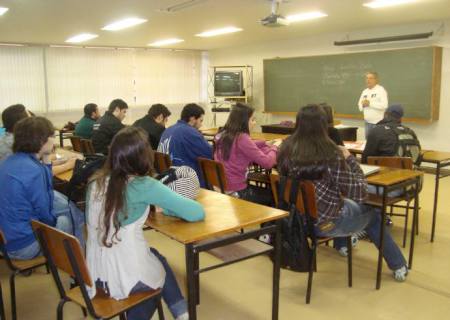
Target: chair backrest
x,y
306,195
214,174
162,162
87,147
76,143
392,162
63,251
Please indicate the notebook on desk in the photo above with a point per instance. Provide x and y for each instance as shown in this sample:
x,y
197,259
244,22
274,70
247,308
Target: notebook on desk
x,y
369,169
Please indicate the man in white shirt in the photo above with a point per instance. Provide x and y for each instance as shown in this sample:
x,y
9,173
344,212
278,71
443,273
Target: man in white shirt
x,y
373,102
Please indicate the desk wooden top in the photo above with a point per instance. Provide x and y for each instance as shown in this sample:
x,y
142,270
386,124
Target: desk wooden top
x,y
255,135
389,176
356,147
65,176
224,214
435,156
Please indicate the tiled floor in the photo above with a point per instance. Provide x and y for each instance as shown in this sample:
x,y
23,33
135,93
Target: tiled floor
x,y
243,291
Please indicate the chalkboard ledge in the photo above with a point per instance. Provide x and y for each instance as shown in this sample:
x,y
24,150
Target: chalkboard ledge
x,y
354,116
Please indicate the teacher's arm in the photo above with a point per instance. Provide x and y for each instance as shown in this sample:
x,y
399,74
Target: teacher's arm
x,y
360,102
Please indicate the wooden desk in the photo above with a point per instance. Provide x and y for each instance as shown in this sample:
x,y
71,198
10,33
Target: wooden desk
x,y
390,179
255,135
346,133
441,160
225,215
355,147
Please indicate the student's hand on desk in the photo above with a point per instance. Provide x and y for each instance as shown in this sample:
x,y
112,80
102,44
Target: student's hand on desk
x,y
275,142
345,152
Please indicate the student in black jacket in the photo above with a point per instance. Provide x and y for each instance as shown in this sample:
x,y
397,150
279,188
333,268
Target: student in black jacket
x,y
154,123
333,133
107,126
383,140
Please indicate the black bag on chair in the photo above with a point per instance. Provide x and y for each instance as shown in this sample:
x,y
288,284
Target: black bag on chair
x,y
296,251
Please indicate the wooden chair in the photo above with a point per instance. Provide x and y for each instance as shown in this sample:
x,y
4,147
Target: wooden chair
x,y
162,162
76,143
17,267
213,173
306,206
408,195
2,306
87,147
64,252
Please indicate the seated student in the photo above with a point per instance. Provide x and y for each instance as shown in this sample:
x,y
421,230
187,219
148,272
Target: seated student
x,y
10,116
184,143
333,133
154,122
383,140
118,199
83,129
107,126
26,190
236,150
339,183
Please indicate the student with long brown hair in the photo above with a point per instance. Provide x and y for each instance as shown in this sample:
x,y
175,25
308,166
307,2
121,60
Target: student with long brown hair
x,y
236,150
339,184
118,202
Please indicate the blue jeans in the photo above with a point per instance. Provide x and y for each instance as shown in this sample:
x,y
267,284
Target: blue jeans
x,y
367,127
69,219
358,217
171,295
379,191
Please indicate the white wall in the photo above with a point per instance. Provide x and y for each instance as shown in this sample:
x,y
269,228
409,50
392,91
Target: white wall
x,y
432,136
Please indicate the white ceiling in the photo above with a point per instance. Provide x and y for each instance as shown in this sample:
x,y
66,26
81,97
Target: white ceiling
x,y
53,21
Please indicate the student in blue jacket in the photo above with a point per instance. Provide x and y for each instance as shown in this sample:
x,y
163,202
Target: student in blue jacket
x,y
26,189
184,142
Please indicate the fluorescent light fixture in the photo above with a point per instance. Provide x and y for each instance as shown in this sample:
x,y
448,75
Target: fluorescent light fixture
x,y
81,37
306,16
3,10
385,3
165,42
123,24
217,32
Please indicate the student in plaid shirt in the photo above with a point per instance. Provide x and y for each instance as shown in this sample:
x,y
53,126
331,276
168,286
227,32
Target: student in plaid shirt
x,y
340,185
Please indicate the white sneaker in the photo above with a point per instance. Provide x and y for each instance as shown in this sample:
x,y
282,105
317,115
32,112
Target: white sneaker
x,y
400,274
184,316
343,251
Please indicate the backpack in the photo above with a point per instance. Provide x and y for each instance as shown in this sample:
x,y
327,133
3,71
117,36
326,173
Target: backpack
x,y
182,180
82,170
296,249
408,144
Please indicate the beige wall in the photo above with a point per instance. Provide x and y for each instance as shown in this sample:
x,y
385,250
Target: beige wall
x,y
432,136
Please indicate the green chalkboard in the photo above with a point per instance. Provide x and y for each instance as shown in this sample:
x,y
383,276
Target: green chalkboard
x,y
410,76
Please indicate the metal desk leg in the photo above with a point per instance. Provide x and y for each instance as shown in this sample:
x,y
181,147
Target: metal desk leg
x,y
191,283
276,272
381,248
61,138
436,193
414,224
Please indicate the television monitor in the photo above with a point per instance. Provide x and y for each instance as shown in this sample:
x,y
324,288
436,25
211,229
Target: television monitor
x,y
228,83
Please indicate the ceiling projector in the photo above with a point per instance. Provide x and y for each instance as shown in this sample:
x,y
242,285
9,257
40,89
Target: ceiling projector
x,y
274,20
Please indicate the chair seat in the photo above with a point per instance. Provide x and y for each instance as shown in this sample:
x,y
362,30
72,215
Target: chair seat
x,y
28,264
107,307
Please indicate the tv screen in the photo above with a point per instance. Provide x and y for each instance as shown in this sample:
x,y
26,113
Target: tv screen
x,y
228,83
